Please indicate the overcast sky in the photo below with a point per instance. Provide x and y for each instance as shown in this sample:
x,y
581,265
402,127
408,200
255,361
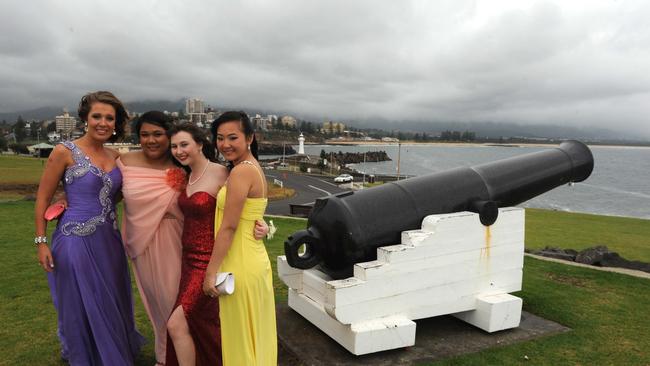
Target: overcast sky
x,y
573,63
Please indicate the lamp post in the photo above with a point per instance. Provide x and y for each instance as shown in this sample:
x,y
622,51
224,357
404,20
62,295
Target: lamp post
x,y
363,184
399,152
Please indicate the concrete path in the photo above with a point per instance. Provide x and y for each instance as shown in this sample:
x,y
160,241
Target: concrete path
x,y
626,271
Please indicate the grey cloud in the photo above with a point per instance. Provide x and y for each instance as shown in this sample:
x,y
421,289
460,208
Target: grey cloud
x,y
573,63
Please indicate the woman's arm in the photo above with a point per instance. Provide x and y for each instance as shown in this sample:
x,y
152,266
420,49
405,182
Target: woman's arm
x,y
58,160
238,186
116,154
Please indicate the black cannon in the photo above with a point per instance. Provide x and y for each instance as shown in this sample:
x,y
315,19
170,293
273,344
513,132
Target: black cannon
x,y
347,228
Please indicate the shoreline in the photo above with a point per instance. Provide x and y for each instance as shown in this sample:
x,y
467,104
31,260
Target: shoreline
x,y
464,144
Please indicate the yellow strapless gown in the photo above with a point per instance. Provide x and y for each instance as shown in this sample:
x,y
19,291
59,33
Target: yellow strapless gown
x,y
248,328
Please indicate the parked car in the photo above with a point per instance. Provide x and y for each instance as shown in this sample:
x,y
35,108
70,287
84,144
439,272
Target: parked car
x,y
343,178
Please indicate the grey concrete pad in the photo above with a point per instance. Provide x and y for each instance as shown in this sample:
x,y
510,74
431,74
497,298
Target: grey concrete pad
x,y
435,339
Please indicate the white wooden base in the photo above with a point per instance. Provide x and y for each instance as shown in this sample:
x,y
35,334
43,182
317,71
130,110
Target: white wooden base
x,y
361,338
494,312
452,265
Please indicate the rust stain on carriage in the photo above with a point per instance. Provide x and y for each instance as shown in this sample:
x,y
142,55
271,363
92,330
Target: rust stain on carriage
x,y
488,242
485,251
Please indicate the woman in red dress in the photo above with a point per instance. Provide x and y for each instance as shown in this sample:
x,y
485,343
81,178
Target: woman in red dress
x,y
194,324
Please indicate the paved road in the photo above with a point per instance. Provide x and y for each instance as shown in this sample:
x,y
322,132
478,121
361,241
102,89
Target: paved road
x,y
307,188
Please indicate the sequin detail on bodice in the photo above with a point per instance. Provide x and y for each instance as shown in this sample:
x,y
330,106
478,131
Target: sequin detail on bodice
x,y
84,192
198,229
197,241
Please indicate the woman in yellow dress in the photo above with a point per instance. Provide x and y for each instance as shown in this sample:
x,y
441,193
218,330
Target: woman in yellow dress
x,y
248,328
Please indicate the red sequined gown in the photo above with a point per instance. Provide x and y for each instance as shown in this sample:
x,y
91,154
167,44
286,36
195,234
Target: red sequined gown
x,y
201,311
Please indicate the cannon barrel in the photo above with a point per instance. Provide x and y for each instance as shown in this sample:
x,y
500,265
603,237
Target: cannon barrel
x,y
347,228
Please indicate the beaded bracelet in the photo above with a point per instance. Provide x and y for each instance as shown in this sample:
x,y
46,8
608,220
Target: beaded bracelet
x,y
40,240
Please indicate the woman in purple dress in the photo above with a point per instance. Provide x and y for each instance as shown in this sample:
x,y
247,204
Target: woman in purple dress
x,y
87,269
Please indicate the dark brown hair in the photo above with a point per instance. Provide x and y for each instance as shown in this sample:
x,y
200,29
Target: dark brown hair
x,y
106,97
199,136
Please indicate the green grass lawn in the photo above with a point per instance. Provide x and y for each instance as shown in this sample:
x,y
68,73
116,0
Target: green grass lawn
x,y
627,236
607,311
20,169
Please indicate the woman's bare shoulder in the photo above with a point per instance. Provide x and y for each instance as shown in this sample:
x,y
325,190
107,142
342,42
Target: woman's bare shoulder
x,y
112,152
217,168
130,157
60,152
244,172
60,155
60,149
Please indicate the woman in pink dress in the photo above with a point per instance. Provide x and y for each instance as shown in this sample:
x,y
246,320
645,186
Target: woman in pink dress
x,y
152,223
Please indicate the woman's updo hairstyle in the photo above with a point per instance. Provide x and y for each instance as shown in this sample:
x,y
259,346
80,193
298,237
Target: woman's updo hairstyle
x,y
156,118
106,97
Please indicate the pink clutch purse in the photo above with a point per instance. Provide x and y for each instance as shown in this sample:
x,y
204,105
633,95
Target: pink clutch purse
x,y
54,211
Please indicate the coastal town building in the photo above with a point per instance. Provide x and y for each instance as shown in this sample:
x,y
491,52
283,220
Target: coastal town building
x,y
288,121
54,136
333,127
75,134
195,111
259,122
174,114
198,119
264,123
65,122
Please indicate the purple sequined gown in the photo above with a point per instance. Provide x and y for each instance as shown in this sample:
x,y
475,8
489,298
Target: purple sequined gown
x,y
90,285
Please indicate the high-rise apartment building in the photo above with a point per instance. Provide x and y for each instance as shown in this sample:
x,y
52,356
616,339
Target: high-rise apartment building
x,y
195,111
65,123
194,105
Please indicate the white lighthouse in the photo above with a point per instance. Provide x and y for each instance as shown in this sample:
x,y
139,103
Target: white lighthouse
x,y
301,145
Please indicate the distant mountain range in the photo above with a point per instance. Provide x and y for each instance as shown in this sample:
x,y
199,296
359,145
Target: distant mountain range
x,y
45,113
502,129
482,129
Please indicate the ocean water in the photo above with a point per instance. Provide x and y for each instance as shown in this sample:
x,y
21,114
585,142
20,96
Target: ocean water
x,y
618,186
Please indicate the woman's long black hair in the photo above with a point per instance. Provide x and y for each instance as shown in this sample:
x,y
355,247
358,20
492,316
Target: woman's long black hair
x,y
247,128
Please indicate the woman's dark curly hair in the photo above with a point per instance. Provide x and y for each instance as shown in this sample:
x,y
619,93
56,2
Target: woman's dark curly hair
x,y
106,97
156,118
